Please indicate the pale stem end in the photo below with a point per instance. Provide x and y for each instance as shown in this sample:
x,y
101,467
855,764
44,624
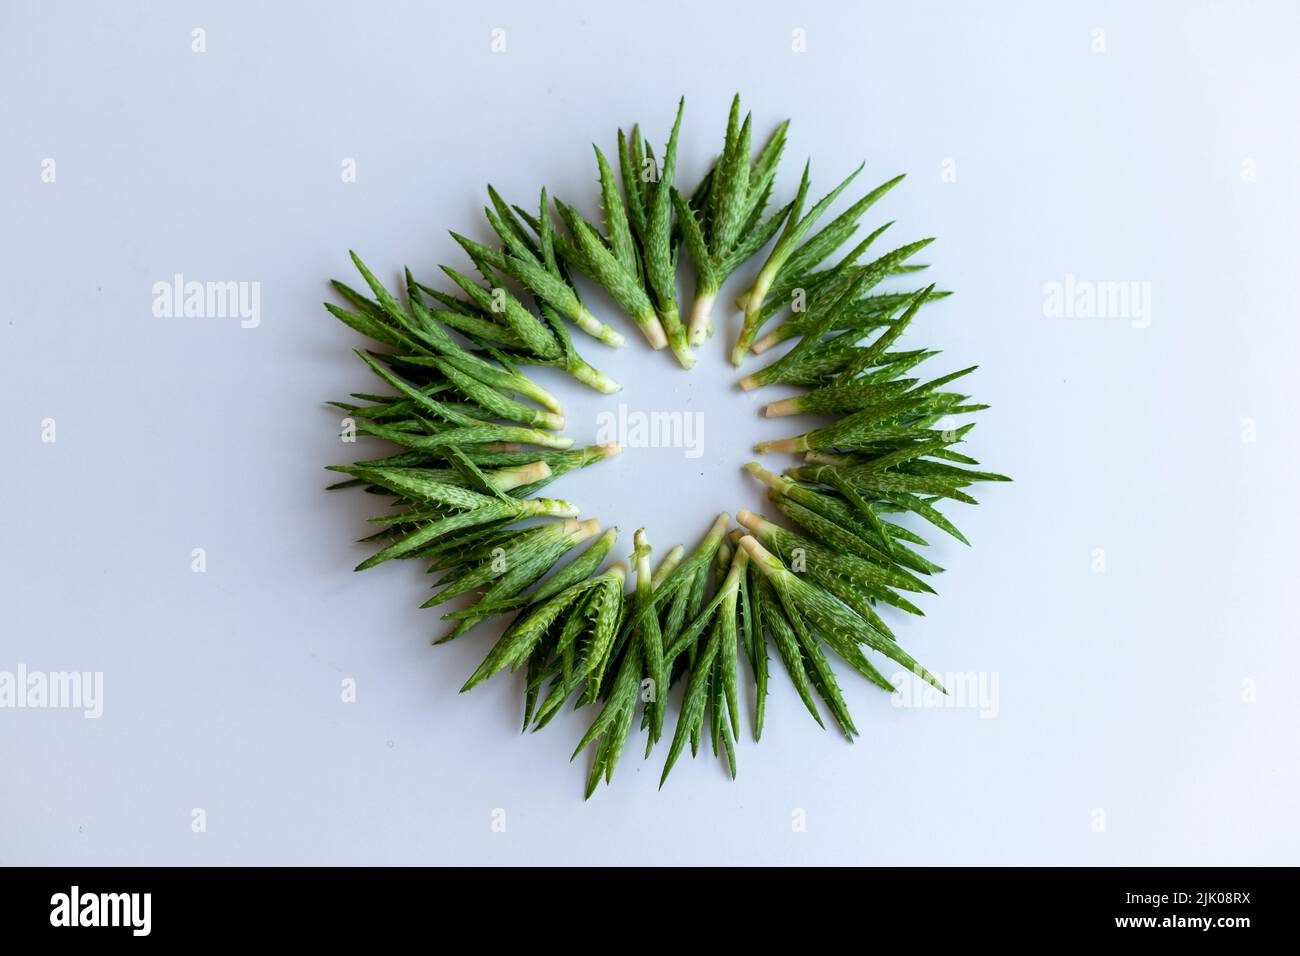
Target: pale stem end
x,y
547,440
797,443
653,331
504,479
768,341
598,329
773,481
701,324
555,508
760,555
668,565
592,378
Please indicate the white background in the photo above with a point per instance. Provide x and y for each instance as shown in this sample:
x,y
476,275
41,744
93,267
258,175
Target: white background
x,y
1157,697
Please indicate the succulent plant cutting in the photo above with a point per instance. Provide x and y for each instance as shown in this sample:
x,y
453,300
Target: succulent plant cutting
x,y
477,440
723,224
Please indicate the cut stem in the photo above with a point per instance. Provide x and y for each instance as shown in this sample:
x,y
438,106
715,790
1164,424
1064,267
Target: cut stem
x,y
753,313
535,436
676,332
593,377
798,443
701,325
775,337
787,406
505,479
652,329
550,507
668,564
598,329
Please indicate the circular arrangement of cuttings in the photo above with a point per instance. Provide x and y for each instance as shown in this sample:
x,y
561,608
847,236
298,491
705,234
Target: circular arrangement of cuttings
x,y
478,445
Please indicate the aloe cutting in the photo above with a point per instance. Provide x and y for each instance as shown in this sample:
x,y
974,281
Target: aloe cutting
x,y
648,192
724,225
792,262
534,265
